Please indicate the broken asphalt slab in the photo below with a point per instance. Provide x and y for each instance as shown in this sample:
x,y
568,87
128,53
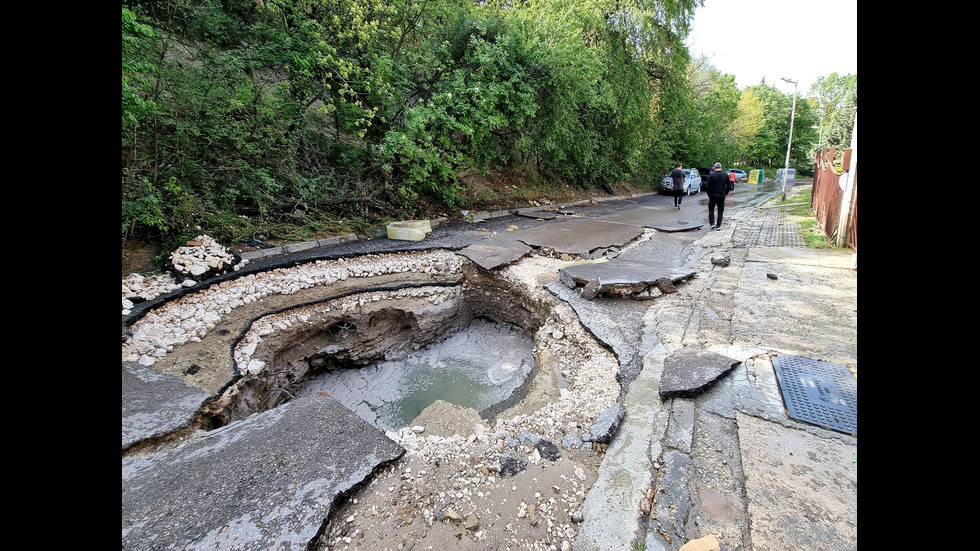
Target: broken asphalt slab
x,y
496,252
622,273
642,266
577,236
660,218
605,425
266,482
155,404
689,371
580,236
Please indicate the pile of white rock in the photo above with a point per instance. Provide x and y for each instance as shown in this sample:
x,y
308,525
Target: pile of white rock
x,y
202,255
137,288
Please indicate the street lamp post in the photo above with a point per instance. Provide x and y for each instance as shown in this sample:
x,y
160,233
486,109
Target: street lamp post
x,y
790,145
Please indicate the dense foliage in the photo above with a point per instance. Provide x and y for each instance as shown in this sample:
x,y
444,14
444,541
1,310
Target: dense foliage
x,y
835,99
239,117
769,146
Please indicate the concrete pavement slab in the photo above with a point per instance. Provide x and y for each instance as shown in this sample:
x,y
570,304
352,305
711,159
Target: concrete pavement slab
x,y
826,258
266,482
801,488
804,310
611,509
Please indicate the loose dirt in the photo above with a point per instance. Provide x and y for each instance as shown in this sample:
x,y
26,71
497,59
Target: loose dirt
x,y
137,256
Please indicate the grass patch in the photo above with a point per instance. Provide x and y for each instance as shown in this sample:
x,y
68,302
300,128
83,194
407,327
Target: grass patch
x,y
813,235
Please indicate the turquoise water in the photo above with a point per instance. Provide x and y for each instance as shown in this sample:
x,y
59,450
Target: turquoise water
x,y
477,367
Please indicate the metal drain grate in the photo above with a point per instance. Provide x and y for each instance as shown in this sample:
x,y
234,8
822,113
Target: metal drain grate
x,y
817,392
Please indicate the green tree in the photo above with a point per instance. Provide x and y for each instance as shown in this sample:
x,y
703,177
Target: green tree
x,y
143,203
238,113
471,114
745,128
134,69
830,93
841,125
769,146
716,101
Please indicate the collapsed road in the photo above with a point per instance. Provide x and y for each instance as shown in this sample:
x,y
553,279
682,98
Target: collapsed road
x,y
218,454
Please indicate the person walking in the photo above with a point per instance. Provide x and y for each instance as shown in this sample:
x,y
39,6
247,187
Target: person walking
x,y
717,191
677,178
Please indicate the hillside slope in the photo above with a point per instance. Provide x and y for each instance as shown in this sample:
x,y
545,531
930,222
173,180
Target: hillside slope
x,y
496,191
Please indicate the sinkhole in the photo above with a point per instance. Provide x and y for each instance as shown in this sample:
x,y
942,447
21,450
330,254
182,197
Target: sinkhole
x,y
387,354
479,366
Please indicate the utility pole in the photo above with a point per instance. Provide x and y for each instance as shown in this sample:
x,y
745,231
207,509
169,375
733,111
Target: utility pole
x,y
792,116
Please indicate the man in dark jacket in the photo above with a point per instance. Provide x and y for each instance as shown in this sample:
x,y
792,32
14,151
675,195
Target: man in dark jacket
x,y
717,191
677,179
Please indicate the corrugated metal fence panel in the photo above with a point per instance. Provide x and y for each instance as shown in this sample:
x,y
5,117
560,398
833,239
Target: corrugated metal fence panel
x,y
852,233
826,192
827,197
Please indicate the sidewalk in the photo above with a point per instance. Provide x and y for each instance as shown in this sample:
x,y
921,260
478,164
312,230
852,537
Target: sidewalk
x,y
730,463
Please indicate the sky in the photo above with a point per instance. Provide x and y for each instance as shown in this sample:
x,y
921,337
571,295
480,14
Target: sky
x,y
772,39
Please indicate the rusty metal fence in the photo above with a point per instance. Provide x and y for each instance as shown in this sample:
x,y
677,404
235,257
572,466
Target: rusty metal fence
x,y
828,196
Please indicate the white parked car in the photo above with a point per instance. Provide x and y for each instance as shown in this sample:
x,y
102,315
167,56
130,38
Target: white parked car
x,y
691,185
740,175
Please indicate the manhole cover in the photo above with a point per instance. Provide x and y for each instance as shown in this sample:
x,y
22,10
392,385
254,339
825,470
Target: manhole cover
x,y
817,392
